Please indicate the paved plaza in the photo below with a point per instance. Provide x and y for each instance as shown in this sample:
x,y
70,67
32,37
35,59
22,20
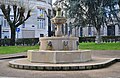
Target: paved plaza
x,y
112,71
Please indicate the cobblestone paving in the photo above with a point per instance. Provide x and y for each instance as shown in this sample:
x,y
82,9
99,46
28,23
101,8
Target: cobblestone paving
x,y
109,72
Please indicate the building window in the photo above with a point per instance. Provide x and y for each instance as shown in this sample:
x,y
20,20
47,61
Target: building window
x,y
119,30
5,24
111,30
41,18
41,24
5,34
23,25
41,13
89,31
81,31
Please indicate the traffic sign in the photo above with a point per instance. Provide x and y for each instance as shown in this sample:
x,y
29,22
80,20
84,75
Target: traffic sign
x,y
18,30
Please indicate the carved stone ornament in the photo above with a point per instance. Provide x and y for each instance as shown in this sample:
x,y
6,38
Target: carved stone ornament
x,y
49,45
65,45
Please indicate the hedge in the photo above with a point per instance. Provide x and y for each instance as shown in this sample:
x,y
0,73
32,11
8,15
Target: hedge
x,y
22,41
104,39
34,41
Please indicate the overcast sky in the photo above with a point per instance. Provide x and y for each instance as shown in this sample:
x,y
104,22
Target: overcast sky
x,y
53,1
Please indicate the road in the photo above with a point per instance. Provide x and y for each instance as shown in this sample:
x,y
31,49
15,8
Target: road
x,y
110,72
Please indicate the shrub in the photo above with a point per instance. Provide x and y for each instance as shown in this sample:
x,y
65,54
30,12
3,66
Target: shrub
x,y
104,39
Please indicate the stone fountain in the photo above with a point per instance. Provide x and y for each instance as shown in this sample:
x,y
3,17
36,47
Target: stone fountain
x,y
59,49
59,53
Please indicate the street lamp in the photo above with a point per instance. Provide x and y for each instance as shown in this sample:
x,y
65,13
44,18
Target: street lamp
x,y
49,23
0,30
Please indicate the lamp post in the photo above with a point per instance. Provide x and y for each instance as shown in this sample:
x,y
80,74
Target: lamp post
x,y
0,31
49,23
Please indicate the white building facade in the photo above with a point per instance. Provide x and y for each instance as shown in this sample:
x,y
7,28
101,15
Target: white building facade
x,y
36,26
111,30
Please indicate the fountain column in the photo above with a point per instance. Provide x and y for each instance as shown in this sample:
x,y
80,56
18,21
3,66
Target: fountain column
x,y
58,32
58,20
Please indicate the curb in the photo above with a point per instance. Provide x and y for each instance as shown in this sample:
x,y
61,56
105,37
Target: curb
x,y
64,68
118,59
13,57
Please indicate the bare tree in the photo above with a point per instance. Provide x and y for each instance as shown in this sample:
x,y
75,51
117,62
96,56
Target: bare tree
x,y
21,13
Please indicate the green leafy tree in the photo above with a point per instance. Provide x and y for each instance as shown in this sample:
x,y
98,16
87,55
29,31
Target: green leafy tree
x,y
91,13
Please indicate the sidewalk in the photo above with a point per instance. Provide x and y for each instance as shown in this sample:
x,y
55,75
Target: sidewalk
x,y
16,55
106,53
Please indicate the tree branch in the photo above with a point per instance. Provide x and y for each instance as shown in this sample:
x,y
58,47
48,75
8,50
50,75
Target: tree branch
x,y
15,15
22,21
5,13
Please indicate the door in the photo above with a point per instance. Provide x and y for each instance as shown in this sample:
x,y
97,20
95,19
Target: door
x,y
111,30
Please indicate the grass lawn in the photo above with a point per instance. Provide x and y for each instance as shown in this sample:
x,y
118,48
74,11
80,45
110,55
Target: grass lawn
x,y
16,49
83,46
102,46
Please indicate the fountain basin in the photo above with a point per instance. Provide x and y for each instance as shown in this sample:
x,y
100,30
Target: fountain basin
x,y
44,56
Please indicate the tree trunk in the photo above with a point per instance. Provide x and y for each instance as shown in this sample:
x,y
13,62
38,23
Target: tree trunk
x,y
13,35
98,37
